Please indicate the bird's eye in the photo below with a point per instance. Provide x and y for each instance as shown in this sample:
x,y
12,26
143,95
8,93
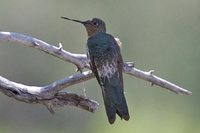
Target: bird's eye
x,y
95,23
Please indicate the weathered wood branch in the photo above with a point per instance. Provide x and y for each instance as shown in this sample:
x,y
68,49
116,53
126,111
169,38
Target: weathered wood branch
x,y
50,95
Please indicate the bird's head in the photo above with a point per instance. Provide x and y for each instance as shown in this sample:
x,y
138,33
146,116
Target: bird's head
x,y
92,26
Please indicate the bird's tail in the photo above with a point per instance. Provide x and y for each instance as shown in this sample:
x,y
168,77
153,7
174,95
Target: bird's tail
x,y
115,102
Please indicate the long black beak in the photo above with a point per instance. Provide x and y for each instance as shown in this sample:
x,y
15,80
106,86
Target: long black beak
x,y
82,22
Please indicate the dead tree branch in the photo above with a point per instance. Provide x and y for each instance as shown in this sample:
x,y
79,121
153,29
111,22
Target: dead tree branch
x,y
50,95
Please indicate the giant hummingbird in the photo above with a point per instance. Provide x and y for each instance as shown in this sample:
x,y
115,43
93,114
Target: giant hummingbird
x,y
104,56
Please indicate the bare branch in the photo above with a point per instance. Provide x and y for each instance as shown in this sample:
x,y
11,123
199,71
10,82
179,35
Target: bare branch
x,y
77,59
42,95
155,80
50,95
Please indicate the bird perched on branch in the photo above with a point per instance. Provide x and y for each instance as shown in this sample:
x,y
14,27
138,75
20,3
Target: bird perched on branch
x,y
106,63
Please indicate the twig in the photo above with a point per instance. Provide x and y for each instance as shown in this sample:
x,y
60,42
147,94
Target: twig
x,y
46,95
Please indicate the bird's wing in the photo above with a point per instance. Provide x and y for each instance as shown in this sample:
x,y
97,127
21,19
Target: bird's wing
x,y
120,62
105,57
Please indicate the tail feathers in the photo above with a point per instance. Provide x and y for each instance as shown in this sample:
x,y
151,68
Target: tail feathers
x,y
111,113
123,114
115,103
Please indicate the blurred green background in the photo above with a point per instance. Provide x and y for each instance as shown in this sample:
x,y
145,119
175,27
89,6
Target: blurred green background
x,y
163,35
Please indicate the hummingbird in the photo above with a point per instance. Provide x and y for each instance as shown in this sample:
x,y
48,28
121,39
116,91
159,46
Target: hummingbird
x,y
105,60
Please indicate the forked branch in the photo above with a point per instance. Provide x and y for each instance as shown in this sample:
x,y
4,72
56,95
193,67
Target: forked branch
x,y
50,95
